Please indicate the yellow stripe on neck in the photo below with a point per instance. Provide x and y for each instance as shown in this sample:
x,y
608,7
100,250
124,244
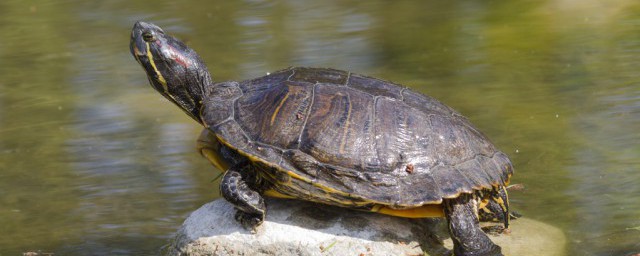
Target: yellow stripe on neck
x,y
155,68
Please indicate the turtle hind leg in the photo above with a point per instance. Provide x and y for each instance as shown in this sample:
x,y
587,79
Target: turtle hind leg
x,y
464,228
497,209
250,206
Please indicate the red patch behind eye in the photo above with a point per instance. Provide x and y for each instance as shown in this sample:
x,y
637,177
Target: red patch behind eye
x,y
179,57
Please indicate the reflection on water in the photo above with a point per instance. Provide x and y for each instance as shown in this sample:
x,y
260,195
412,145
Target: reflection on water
x,y
129,176
93,161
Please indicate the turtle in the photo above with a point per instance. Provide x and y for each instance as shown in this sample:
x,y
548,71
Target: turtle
x,y
333,137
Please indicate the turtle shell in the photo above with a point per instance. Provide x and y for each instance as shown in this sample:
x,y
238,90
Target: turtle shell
x,y
340,138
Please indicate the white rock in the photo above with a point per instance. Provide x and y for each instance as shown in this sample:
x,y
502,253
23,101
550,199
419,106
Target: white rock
x,y
303,228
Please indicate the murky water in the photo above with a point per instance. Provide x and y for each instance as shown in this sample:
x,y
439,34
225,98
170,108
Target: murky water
x,y
93,161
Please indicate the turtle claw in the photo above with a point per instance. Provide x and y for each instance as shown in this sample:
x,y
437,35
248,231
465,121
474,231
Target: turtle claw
x,y
495,230
514,215
249,204
249,221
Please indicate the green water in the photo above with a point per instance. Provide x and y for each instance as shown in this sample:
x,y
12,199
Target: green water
x,y
94,162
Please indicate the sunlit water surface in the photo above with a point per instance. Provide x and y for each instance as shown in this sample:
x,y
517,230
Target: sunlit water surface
x,y
94,162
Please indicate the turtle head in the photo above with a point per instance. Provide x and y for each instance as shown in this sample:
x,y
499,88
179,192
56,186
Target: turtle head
x,y
173,69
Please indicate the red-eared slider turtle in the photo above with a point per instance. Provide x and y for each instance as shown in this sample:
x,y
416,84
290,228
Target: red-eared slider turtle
x,y
333,137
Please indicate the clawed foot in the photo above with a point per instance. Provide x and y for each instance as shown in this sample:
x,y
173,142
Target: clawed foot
x,y
496,230
488,216
249,221
238,189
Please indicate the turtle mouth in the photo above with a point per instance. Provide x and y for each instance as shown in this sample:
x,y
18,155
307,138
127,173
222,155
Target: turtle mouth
x,y
135,51
142,34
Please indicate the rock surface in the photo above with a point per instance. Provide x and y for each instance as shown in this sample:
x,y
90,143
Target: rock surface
x,y
304,228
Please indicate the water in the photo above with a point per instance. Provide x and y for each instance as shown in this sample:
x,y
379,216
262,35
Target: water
x,y
93,161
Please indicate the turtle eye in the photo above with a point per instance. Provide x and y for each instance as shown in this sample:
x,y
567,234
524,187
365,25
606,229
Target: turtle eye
x,y
148,36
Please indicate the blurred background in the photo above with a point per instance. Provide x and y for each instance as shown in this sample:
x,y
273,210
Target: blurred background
x,y
94,162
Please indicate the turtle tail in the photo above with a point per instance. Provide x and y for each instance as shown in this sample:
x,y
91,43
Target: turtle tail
x,y
501,198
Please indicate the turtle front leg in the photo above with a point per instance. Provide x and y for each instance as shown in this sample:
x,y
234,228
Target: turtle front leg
x,y
250,206
464,227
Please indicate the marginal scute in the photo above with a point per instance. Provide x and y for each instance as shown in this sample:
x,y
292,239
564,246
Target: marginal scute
x,y
506,169
448,183
489,167
303,162
231,133
266,154
472,170
334,137
416,184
